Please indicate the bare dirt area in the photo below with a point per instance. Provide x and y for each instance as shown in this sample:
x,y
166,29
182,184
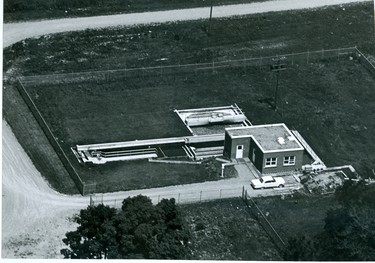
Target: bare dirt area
x,y
325,182
34,217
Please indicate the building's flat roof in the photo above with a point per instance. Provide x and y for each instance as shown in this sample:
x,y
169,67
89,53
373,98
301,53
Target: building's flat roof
x,y
270,137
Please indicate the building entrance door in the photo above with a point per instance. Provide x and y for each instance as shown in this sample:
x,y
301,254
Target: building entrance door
x,y
239,152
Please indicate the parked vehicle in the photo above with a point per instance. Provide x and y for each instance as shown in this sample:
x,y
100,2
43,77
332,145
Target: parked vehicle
x,y
268,182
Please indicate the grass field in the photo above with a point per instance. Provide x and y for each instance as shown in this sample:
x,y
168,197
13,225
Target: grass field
x,y
21,10
297,215
225,230
329,102
188,42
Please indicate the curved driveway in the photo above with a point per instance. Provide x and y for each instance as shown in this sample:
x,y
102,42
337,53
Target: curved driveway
x,y
14,32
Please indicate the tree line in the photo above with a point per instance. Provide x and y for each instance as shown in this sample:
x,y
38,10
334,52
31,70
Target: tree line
x,y
140,230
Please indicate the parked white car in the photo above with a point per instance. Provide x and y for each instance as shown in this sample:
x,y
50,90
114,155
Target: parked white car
x,y
268,182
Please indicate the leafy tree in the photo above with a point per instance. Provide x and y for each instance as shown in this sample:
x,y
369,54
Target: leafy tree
x,y
94,236
139,230
349,231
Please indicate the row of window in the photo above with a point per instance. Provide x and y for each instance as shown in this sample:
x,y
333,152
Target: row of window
x,y
288,160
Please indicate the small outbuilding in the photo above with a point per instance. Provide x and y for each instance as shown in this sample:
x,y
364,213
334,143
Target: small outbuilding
x,y
272,148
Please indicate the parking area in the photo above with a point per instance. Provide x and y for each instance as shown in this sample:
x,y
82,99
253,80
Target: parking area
x,y
247,172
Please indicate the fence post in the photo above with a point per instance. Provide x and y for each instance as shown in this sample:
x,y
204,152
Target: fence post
x,y
293,58
220,193
308,55
91,201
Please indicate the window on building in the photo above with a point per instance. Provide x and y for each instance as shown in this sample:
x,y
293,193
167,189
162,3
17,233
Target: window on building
x,y
271,162
289,160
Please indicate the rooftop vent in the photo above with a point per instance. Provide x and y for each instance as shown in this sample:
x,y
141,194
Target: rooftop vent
x,y
281,140
291,138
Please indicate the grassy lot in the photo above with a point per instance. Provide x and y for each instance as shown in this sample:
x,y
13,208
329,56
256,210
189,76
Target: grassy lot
x,y
188,42
297,215
22,10
225,230
329,102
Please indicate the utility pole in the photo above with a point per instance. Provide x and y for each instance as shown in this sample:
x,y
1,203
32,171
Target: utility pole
x,y
209,21
277,67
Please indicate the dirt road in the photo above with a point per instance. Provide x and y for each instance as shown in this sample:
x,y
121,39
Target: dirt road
x,y
14,32
35,217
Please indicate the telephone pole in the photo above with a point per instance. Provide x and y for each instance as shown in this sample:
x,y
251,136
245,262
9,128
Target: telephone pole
x,y
209,21
277,67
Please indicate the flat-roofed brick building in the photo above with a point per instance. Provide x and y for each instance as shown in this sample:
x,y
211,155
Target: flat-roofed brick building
x,y
272,148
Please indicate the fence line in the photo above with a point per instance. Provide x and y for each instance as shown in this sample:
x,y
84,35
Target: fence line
x,y
302,57
263,221
365,61
102,75
82,187
180,197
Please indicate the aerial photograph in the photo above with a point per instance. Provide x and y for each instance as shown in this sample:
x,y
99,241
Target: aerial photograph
x,y
236,130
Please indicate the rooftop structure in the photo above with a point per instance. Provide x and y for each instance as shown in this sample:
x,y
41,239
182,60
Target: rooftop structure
x,y
269,138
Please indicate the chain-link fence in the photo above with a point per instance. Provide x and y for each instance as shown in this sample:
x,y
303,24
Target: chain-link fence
x,y
263,221
111,75
181,196
370,66
120,74
82,187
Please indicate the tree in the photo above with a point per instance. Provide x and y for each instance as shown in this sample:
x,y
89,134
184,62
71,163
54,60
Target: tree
x,y
94,236
139,230
349,231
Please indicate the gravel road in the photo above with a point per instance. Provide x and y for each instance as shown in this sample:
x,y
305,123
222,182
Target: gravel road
x,y
32,211
14,32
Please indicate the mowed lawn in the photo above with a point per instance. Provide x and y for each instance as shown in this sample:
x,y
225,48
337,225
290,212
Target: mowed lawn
x,y
330,102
